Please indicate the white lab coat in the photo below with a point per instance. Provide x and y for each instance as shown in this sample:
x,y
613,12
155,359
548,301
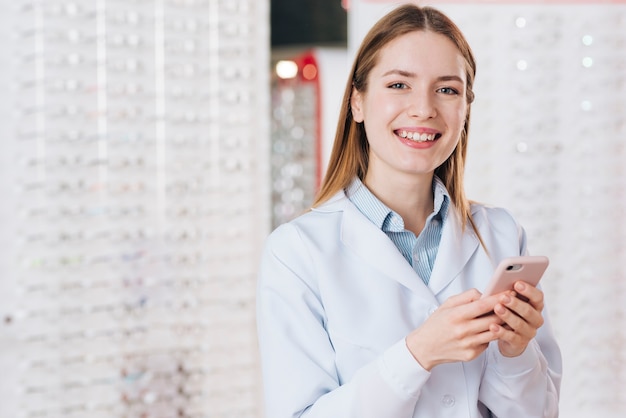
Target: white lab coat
x,y
336,300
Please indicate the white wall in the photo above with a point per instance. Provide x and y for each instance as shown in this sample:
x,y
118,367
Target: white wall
x,y
334,69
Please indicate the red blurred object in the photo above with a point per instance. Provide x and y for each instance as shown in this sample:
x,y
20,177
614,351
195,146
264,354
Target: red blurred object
x,y
307,67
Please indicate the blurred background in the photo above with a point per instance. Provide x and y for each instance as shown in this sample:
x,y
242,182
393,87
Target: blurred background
x,y
149,146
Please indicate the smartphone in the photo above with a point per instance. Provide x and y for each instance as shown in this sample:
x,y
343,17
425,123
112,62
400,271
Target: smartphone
x,y
528,269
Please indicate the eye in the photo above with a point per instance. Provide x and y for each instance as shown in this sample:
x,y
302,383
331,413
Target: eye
x,y
448,90
397,86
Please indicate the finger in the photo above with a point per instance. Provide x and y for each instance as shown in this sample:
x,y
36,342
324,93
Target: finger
x,y
532,295
484,322
510,343
510,318
478,340
462,298
507,335
484,306
518,324
483,339
524,310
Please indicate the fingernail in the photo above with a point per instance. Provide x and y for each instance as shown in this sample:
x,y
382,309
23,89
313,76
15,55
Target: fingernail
x,y
506,299
520,286
500,309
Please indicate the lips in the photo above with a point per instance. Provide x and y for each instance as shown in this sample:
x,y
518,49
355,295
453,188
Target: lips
x,y
418,136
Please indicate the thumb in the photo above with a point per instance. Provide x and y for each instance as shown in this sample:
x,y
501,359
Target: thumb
x,y
462,298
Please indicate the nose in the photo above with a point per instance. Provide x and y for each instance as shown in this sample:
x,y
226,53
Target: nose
x,y
422,105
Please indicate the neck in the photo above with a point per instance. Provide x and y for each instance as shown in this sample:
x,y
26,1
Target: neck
x,y
411,199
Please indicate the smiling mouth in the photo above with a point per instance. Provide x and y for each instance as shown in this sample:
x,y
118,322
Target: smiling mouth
x,y
419,137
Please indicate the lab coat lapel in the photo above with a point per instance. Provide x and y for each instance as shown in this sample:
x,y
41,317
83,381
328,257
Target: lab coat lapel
x,y
455,250
376,249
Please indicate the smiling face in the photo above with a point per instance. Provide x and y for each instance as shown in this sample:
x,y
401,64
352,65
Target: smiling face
x,y
414,108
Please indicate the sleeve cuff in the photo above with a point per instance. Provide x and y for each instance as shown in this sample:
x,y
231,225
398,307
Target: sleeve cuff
x,y
514,366
401,371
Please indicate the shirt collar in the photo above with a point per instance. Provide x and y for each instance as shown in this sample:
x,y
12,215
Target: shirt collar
x,y
383,217
365,201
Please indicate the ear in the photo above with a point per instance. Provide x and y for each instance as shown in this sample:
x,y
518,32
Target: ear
x,y
356,105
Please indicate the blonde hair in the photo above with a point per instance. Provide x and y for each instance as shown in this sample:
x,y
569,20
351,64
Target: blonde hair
x,y
349,156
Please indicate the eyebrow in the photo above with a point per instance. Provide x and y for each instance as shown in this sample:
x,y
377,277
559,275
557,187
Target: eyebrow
x,y
413,75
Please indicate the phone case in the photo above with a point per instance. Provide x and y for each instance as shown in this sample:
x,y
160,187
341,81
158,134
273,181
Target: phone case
x,y
528,269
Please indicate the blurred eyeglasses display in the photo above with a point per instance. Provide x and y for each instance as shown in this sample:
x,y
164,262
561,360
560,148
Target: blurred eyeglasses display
x,y
134,206
296,137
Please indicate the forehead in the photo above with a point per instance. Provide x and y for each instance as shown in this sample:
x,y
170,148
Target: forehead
x,y
421,52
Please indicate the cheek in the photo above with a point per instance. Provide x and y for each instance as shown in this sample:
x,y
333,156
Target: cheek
x,y
382,105
459,119
376,116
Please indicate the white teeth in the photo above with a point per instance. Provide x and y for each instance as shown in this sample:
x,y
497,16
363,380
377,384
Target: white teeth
x,y
417,137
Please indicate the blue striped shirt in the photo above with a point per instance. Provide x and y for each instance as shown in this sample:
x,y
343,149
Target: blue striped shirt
x,y
420,252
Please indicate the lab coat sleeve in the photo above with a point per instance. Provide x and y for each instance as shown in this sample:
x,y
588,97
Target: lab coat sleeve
x,y
297,356
526,386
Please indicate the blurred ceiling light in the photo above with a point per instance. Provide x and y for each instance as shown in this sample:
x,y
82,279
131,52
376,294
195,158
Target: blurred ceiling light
x,y
286,69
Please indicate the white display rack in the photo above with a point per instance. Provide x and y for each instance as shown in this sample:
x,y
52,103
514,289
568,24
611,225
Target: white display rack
x,y
134,206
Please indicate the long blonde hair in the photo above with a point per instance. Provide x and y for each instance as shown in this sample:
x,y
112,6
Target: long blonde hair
x,y
349,156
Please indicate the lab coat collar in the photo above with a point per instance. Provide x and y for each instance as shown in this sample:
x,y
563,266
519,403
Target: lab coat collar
x,y
455,250
374,247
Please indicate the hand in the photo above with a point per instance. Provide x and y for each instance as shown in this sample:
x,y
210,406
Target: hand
x,y
521,317
459,330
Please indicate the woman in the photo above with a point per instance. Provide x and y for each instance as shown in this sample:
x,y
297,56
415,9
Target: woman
x,y
368,305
